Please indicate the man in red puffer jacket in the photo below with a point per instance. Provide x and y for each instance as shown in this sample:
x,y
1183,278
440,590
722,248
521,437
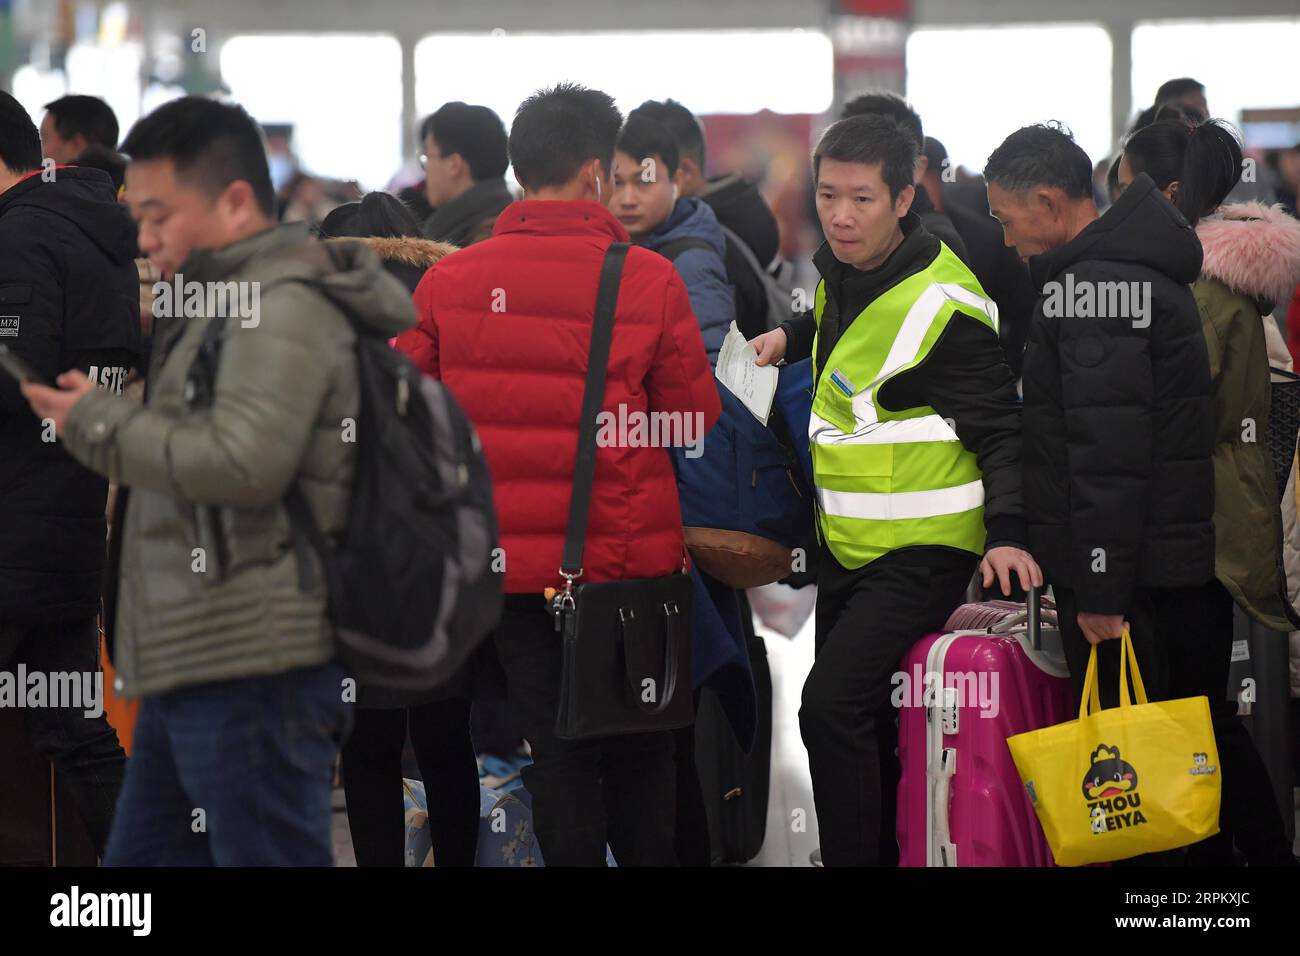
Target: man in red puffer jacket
x,y
506,325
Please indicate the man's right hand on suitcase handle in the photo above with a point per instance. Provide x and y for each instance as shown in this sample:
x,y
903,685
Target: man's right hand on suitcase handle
x,y
999,562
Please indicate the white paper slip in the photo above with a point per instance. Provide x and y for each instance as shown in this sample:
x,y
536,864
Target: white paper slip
x,y
754,386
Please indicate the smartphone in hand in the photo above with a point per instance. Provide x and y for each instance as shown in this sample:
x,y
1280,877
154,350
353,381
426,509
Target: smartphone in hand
x,y
19,370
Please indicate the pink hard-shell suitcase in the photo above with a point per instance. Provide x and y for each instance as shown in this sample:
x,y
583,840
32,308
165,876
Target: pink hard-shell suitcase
x,y
960,800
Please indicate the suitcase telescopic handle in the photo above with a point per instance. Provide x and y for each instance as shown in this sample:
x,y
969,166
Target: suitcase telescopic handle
x,y
1032,616
1033,604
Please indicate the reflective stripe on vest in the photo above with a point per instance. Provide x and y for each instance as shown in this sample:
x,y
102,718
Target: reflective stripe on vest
x,y
893,479
903,504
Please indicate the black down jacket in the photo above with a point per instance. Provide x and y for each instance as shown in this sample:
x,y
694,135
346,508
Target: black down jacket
x,y
1119,415
69,298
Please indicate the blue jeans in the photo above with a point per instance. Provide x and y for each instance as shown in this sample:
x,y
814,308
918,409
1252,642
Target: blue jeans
x,y
235,773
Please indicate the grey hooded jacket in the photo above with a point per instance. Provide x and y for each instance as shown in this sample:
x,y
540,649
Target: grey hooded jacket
x,y
209,589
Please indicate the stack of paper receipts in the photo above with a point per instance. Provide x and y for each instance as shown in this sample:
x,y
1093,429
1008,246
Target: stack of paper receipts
x,y
753,385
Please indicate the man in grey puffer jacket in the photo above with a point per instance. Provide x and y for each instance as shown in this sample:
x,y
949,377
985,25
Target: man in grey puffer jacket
x,y
244,705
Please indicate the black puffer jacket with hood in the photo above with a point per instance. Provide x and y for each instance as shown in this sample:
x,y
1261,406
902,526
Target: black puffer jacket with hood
x,y
1119,413
69,298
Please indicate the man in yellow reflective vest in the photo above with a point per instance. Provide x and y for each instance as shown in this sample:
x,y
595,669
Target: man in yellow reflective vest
x,y
915,439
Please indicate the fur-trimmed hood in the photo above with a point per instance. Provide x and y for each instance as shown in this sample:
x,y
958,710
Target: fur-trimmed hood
x,y
1253,249
407,258
408,250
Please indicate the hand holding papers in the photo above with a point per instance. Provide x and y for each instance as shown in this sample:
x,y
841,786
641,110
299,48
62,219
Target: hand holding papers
x,y
736,369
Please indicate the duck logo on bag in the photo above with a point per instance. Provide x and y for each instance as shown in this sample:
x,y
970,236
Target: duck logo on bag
x,y
1201,764
1110,788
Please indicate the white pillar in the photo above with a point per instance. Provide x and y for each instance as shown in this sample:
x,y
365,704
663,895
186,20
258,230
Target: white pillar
x,y
1121,78
409,118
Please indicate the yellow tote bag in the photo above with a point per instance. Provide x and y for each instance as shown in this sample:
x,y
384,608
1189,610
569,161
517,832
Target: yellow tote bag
x,y
1138,778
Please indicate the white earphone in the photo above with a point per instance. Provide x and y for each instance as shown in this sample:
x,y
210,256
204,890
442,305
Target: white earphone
x,y
597,189
676,192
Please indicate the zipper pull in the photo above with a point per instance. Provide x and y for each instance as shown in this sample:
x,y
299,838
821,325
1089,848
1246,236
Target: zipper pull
x,y
403,392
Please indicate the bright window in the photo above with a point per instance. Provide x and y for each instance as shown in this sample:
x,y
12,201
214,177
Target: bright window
x,y
341,92
34,86
110,71
975,85
1243,63
715,71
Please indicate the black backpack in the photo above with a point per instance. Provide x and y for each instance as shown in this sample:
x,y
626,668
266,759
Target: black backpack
x,y
777,283
412,591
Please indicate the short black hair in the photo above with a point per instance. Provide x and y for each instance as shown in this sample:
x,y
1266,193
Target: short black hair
x,y
871,138
935,153
886,104
475,133
211,144
376,214
20,140
1112,179
679,121
1044,154
557,130
109,160
86,115
1173,89
644,138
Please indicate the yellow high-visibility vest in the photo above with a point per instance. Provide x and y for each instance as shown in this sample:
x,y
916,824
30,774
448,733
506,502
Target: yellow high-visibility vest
x,y
887,480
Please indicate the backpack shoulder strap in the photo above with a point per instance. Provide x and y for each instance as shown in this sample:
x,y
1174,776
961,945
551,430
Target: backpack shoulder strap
x,y
308,262
307,537
742,247
302,264
776,305
671,250
201,377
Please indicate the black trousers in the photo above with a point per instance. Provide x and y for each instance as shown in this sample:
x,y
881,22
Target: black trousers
x,y
85,750
372,779
866,621
1183,641
620,790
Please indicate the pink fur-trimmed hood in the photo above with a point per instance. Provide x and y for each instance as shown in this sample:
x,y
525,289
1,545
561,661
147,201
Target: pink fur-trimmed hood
x,y
1252,249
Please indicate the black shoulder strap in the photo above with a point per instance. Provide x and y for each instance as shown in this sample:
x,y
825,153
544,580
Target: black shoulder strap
x,y
201,379
593,396
671,250
740,245
305,533
307,537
